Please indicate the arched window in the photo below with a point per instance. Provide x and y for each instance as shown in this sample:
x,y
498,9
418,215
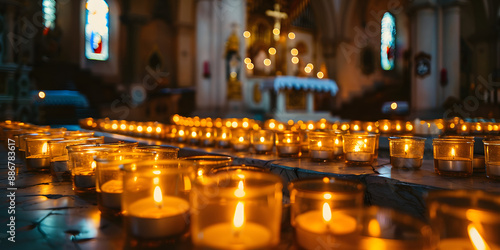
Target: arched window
x,y
387,41
49,15
97,30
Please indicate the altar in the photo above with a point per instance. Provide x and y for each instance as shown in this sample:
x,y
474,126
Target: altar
x,y
287,98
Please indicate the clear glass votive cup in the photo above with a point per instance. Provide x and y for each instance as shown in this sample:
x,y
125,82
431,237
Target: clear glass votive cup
x,y
203,164
464,219
240,140
208,136
322,146
109,178
38,153
406,152
359,149
161,152
155,198
237,210
453,156
263,141
288,143
319,209
223,137
492,158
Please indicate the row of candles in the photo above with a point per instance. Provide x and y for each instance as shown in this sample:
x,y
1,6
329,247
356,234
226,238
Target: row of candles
x,y
240,207
455,126
453,155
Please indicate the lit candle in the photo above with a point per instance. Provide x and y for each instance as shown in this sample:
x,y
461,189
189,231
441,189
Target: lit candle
x,y
288,143
337,147
241,144
110,194
84,179
223,141
39,161
358,155
158,216
316,227
406,152
262,145
453,163
320,153
474,242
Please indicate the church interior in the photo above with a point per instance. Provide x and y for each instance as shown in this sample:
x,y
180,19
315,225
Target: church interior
x,y
250,124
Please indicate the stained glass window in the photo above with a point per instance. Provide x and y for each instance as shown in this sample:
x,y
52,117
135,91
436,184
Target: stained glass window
x,y
388,41
49,15
97,30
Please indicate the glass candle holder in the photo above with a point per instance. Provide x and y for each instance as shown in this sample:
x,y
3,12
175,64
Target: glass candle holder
x,y
203,164
240,139
237,210
109,178
359,149
406,152
82,165
288,143
386,229
223,137
121,147
318,209
464,219
169,132
208,136
384,126
59,156
262,141
304,141
240,168
321,146
155,201
37,153
453,156
193,136
181,134
492,158
160,152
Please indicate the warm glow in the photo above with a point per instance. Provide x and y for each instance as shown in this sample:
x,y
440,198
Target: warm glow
x,y
327,195
406,149
369,128
307,70
187,183
114,126
250,66
247,60
267,62
44,148
208,135
310,65
123,127
386,127
288,140
476,239
478,127
157,196
464,127
394,105
245,124
93,165
224,136
156,180
272,125
181,132
310,126
337,142
294,52
239,215
131,127
452,152
234,124
276,31
281,127
241,139
355,127
193,134
320,75
295,60
374,228
261,139
344,127
291,35
398,127
452,125
246,34
327,212
240,191
41,94
158,129
149,129
409,127
200,172
272,51
139,128
356,148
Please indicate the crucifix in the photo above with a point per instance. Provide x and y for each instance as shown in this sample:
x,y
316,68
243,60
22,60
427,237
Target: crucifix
x,y
277,19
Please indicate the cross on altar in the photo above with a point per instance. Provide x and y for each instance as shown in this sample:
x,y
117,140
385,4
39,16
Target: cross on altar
x,y
277,19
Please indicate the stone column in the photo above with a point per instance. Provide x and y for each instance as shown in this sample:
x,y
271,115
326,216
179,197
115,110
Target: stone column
x,y
424,40
451,50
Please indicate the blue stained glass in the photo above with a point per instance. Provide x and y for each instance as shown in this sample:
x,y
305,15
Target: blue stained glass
x,y
97,30
388,41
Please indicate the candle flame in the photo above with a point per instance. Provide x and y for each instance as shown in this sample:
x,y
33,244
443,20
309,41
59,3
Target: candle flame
x,y
327,212
406,149
241,139
386,127
181,132
240,192
157,196
356,148
224,136
209,134
374,228
476,239
453,152
261,139
287,140
187,183
320,144
337,142
200,172
369,128
193,134
93,165
239,215
44,148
